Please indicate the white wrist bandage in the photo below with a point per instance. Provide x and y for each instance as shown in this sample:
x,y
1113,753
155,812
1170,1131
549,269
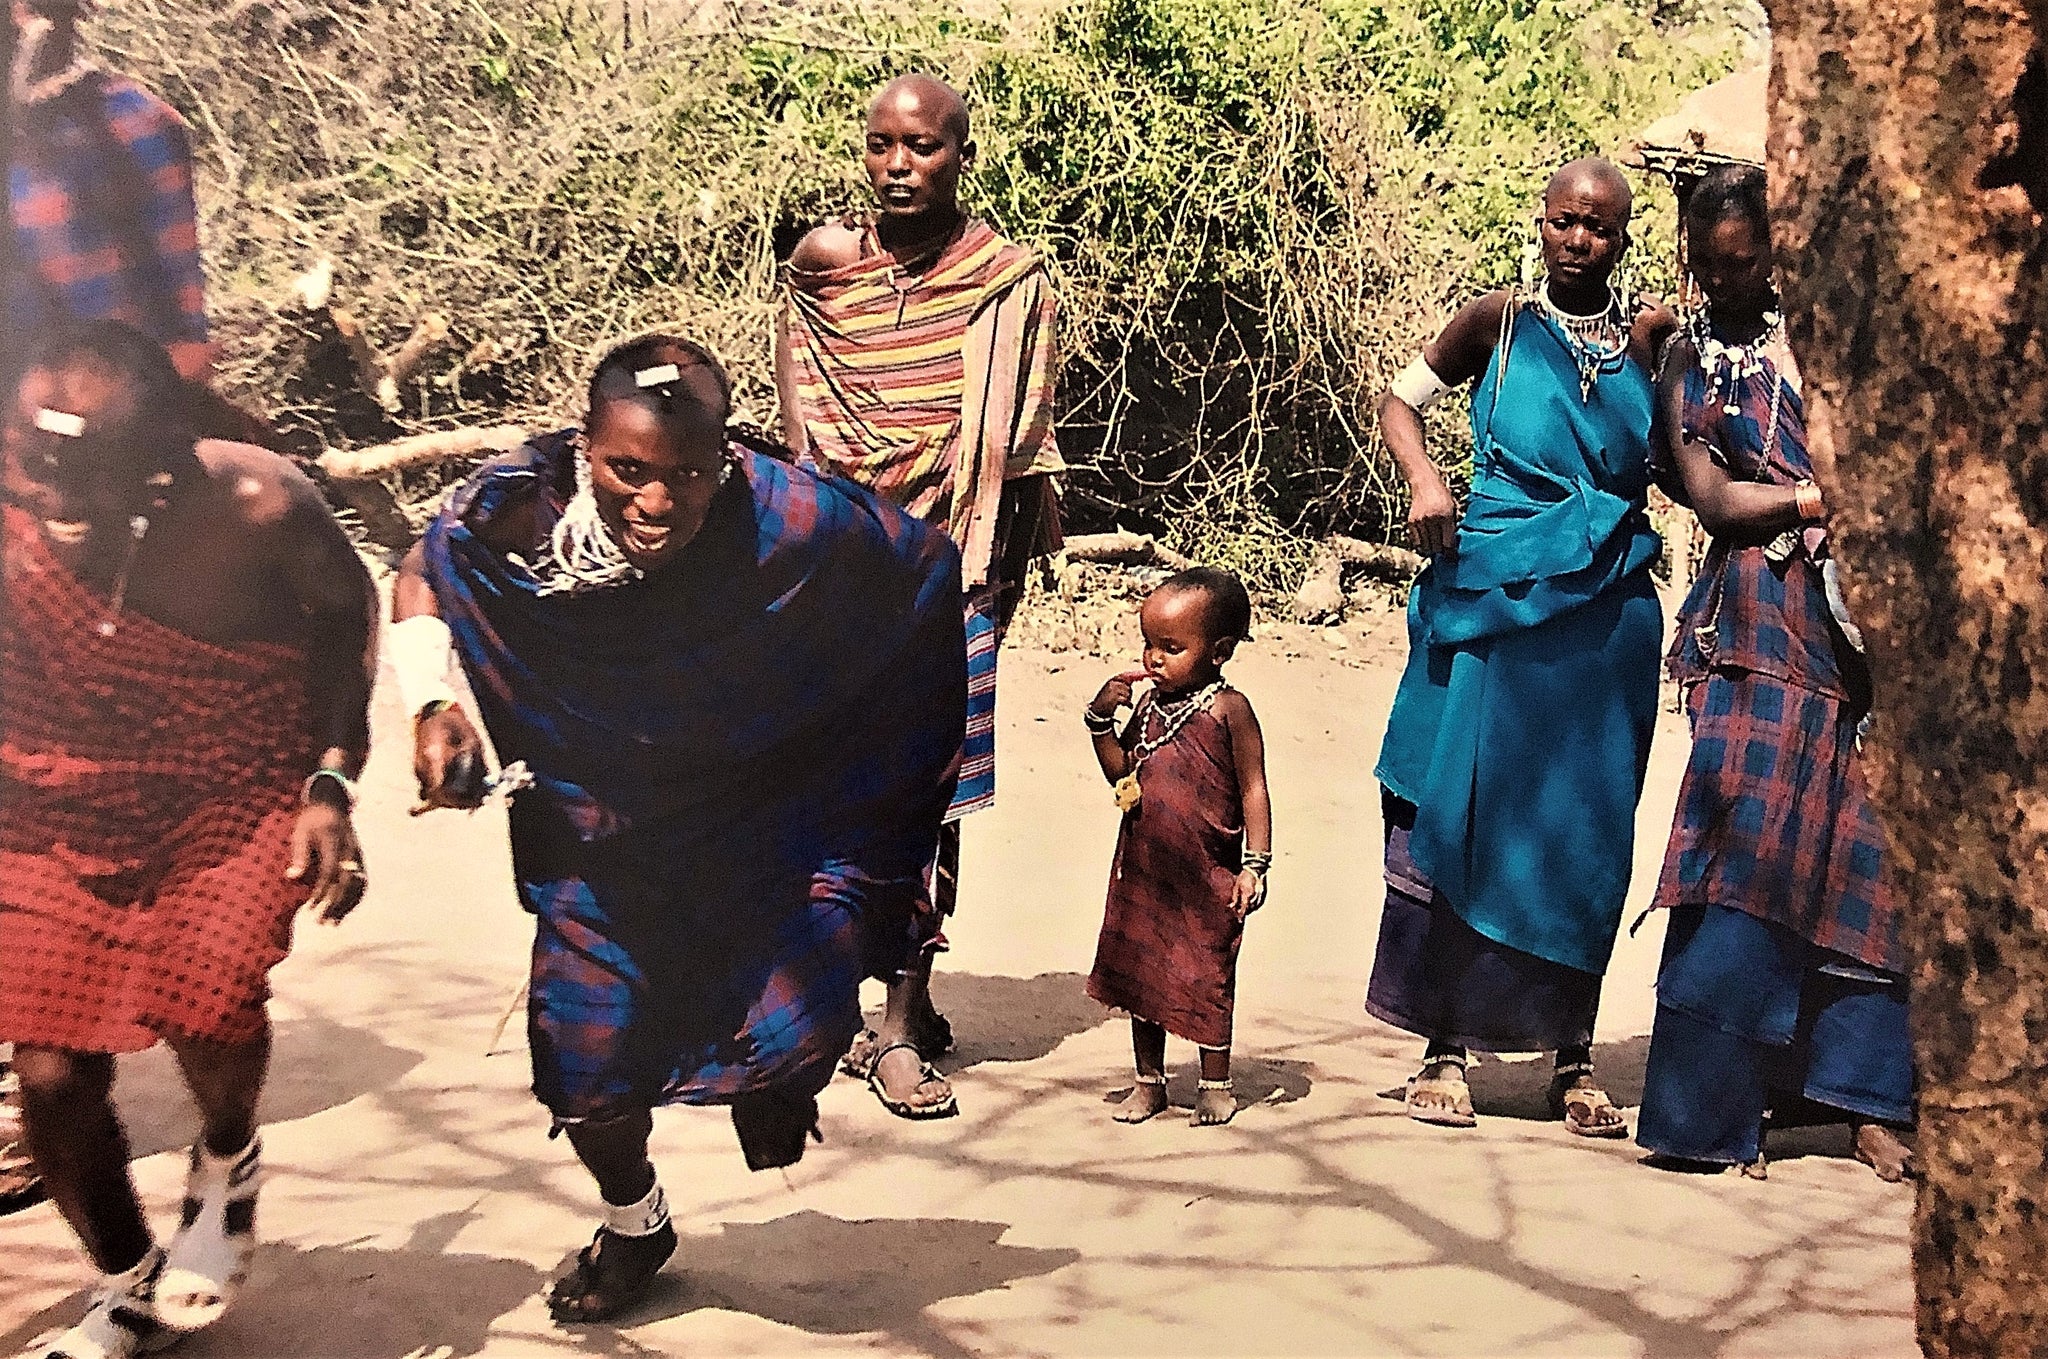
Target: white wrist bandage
x,y
423,657
1419,386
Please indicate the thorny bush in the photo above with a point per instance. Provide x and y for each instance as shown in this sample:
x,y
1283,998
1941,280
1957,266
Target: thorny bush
x,y
1255,210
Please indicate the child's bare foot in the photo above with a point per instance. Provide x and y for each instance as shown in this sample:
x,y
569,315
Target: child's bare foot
x,y
1885,1152
1215,1105
1147,1098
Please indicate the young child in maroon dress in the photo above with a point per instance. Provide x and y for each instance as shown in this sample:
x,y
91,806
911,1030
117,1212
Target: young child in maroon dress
x,y
1197,838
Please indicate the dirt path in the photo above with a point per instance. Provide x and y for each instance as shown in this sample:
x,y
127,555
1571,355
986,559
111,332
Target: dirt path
x,y
416,1205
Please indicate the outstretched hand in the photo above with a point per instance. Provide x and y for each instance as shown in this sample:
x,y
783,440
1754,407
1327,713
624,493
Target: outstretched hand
x,y
448,761
324,851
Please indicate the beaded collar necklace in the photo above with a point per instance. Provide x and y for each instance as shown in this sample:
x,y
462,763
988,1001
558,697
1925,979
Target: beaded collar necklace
x,y
1727,365
1597,342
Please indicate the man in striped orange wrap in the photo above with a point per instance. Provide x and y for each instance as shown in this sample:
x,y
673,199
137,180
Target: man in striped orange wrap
x,y
915,356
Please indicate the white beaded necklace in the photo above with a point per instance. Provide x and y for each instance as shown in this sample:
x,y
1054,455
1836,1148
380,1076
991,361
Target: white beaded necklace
x,y
1727,365
1595,340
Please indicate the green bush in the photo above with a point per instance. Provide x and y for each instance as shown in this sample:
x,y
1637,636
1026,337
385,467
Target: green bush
x,y
1254,209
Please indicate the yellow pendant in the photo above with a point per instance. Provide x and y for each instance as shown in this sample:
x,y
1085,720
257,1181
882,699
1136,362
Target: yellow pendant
x,y
1127,794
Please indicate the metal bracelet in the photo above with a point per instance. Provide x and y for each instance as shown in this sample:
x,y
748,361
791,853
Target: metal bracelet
x,y
343,781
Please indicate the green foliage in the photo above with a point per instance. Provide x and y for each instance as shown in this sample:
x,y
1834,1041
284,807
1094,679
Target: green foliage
x,y
1254,210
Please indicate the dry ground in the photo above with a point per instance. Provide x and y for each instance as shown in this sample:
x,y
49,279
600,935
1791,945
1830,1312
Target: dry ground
x,y
416,1206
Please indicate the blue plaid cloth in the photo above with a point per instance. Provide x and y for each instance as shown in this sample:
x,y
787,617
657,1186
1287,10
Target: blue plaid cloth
x,y
1772,816
741,764
66,185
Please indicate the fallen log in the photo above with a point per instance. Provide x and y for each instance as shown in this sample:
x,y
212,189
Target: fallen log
x,y
417,450
1321,596
1123,548
1383,560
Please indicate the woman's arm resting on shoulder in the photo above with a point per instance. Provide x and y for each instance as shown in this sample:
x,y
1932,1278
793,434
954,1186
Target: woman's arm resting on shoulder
x,y
1741,510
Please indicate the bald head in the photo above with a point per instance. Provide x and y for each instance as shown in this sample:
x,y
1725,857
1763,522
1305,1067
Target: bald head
x,y
1593,176
926,99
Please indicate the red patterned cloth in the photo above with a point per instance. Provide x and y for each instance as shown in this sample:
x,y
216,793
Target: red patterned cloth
x,y
1170,933
148,787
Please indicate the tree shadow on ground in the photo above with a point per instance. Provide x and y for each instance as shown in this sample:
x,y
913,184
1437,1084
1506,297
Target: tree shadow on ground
x,y
829,1276
345,1302
315,1065
1012,1019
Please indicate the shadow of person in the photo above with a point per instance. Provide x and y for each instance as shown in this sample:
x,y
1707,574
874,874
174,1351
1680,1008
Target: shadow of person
x,y
830,1276
345,1302
315,1065
1522,1089
1012,1019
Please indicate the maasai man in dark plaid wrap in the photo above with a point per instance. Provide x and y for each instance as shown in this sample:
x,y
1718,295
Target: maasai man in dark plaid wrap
x,y
740,689
1783,974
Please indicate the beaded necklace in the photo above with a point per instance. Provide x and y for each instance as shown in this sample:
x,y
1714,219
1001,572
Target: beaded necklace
x,y
1727,365
1597,341
1172,716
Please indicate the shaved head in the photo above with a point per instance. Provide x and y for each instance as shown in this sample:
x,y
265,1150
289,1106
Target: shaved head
x,y
1596,175
927,98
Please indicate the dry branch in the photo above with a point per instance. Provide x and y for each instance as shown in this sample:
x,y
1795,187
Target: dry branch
x,y
426,336
372,374
417,450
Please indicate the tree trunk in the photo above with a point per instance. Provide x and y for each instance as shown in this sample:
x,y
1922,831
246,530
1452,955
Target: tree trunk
x,y
1909,171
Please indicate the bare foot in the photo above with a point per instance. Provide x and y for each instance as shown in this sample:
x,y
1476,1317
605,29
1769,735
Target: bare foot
x,y
1213,1108
1885,1152
1146,1099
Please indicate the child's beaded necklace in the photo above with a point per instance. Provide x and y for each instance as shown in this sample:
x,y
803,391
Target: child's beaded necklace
x,y
1172,716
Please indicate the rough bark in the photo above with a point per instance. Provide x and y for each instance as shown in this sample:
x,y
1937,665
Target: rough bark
x,y
1909,172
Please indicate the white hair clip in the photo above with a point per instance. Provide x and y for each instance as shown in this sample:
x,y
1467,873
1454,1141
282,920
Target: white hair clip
x,y
658,376
60,422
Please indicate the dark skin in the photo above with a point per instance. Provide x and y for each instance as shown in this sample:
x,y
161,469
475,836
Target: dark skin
x,y
1184,654
1732,261
244,551
917,147
1584,234
1583,231
654,481
918,144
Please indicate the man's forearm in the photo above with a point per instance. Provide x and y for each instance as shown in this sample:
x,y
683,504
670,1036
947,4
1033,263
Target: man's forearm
x,y
344,660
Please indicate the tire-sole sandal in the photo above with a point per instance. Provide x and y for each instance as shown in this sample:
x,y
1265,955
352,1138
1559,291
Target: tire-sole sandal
x,y
926,1074
1566,1100
208,1260
860,1055
1457,1113
597,1291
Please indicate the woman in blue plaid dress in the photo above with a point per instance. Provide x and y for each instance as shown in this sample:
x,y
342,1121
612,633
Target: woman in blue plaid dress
x,y
1783,989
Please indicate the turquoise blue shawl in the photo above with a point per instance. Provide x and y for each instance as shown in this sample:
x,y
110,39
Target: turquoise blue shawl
x,y
1522,725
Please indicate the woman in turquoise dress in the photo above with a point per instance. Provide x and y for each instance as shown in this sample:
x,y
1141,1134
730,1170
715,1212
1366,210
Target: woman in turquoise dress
x,y
1515,752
